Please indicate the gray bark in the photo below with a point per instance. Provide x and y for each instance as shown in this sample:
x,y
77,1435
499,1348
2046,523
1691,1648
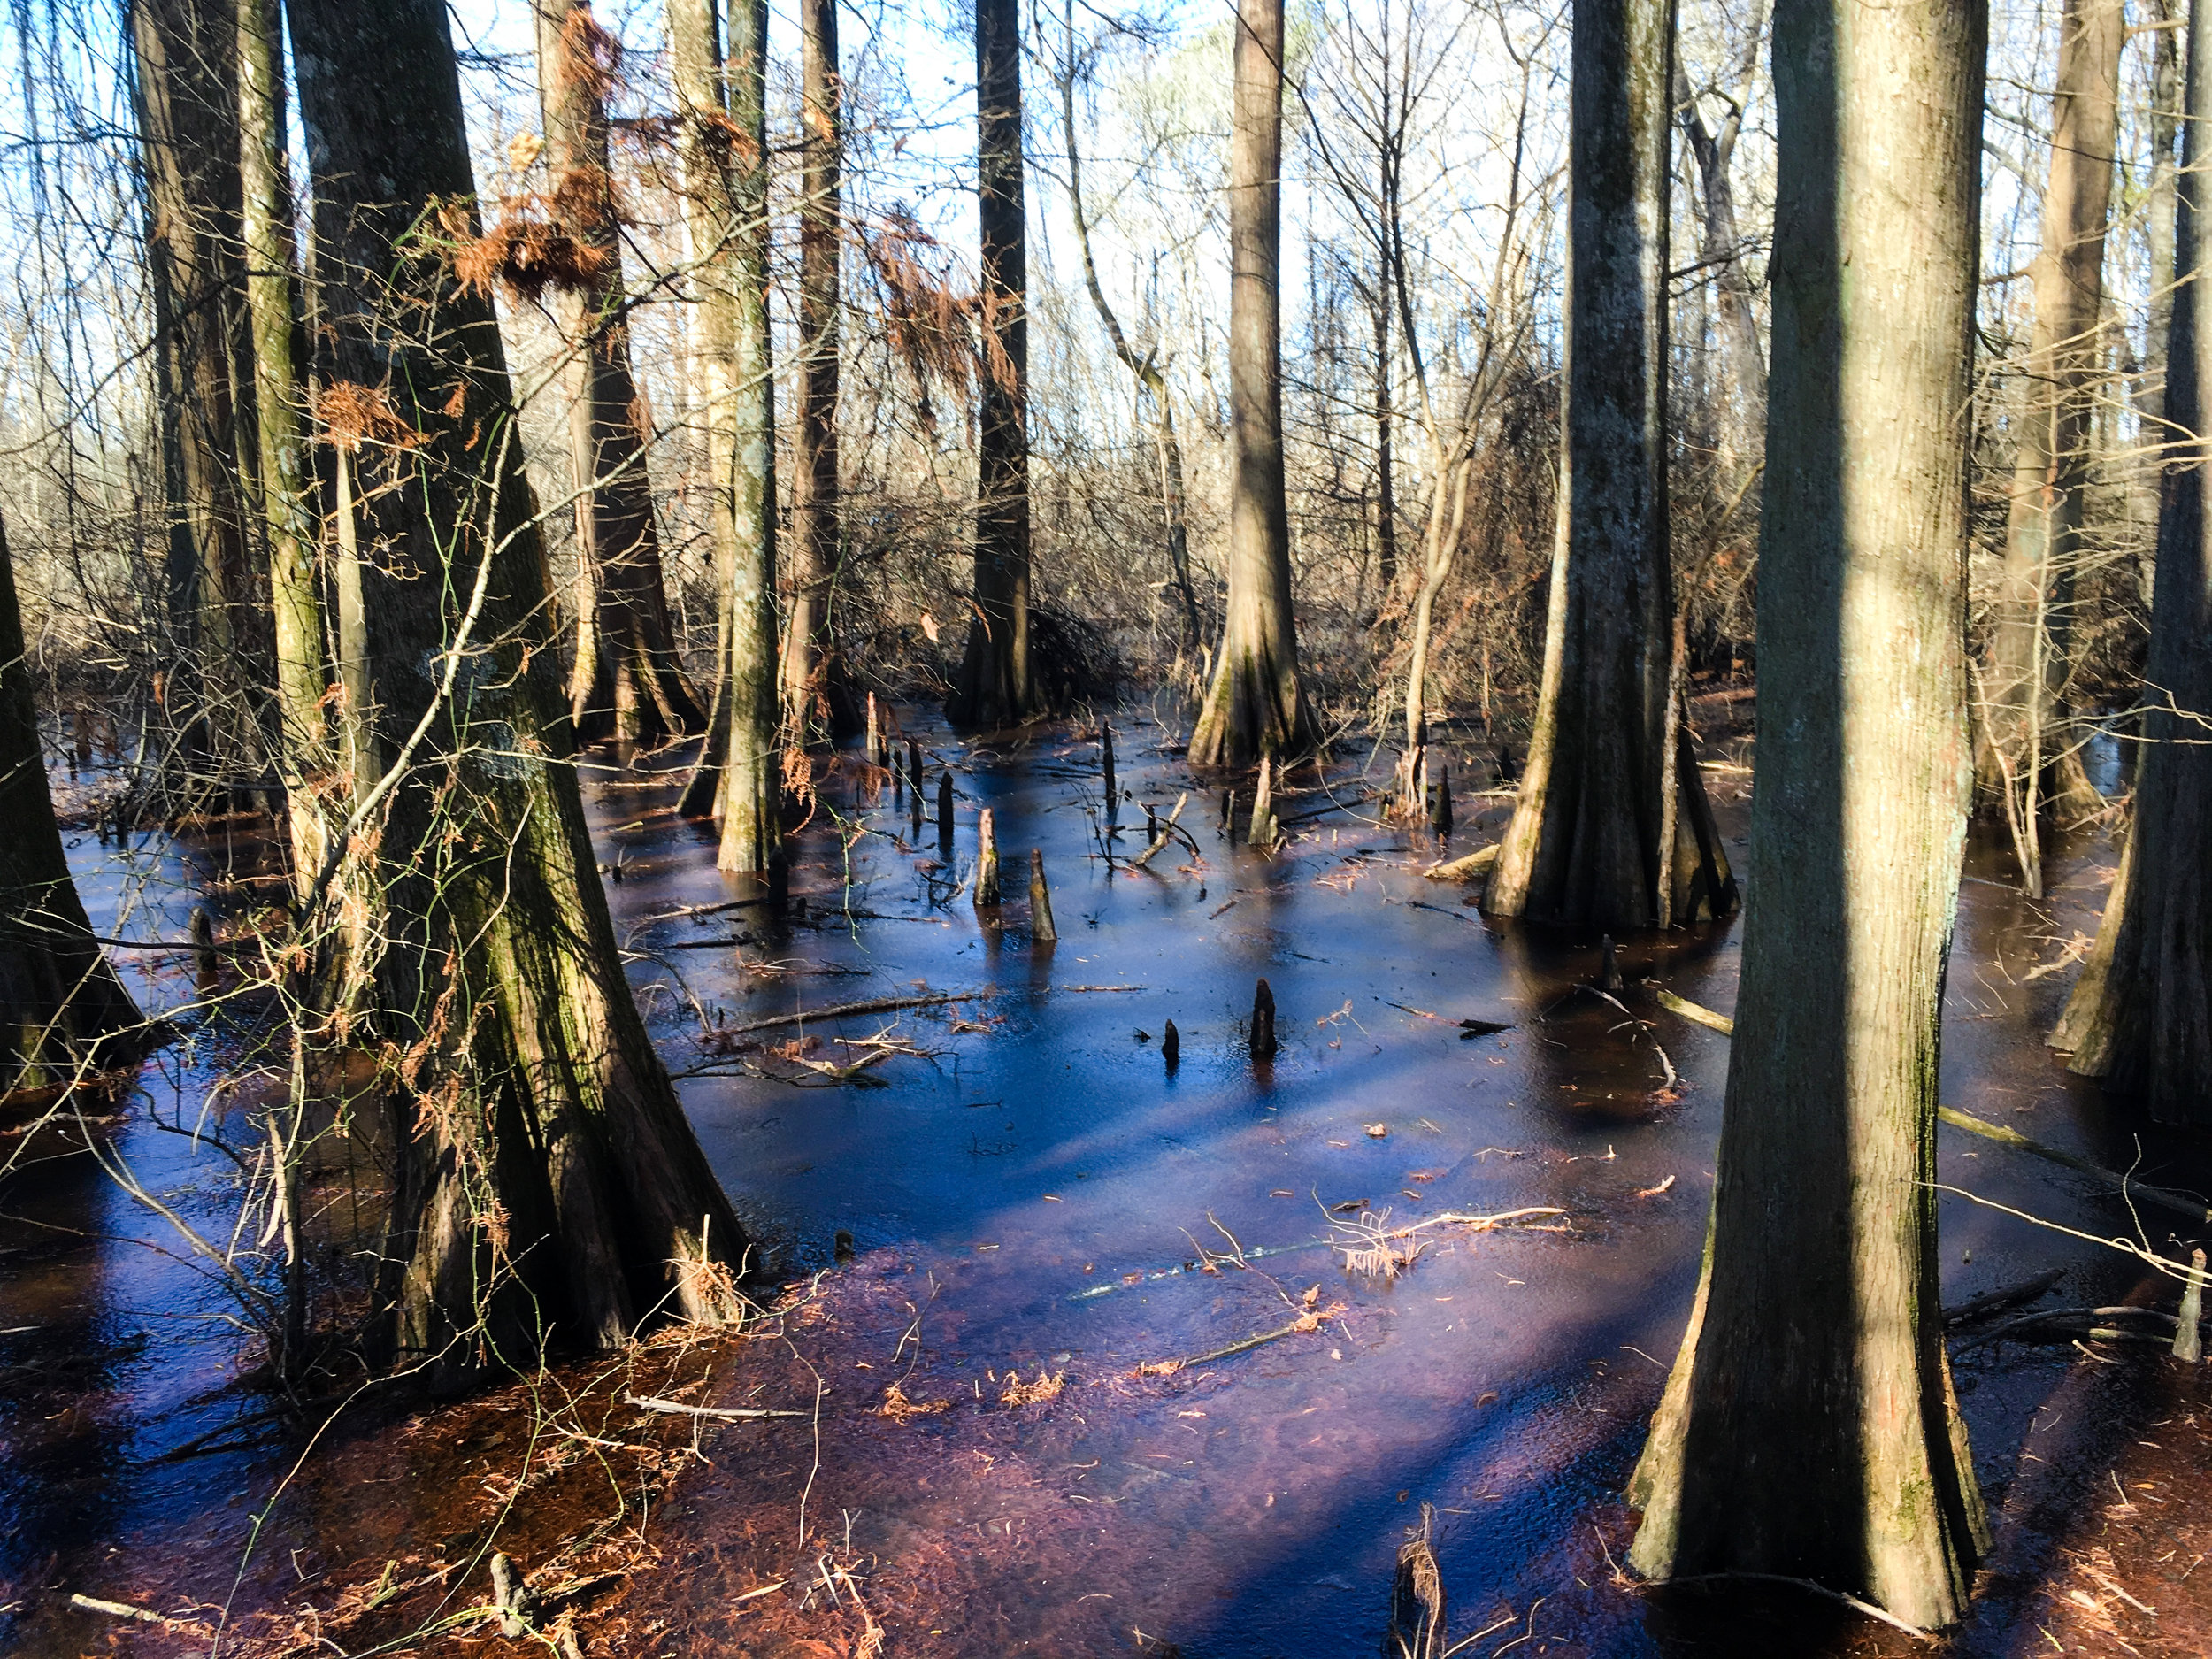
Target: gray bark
x,y
1598,837
1255,704
1808,1427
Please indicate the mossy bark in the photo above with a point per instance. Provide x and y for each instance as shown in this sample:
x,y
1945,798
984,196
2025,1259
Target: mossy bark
x,y
289,532
1808,1427
1594,840
63,1012
997,685
2141,1016
1255,704
549,1188
721,99
628,682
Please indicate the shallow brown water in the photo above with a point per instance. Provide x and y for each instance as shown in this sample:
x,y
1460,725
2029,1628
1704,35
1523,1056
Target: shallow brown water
x,y
1002,1189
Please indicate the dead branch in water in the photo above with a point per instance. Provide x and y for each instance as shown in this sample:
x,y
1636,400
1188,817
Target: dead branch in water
x,y
1305,1324
1166,834
677,1408
881,1005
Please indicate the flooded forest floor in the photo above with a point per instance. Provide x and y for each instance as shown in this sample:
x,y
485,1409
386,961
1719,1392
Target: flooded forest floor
x,y
1012,1259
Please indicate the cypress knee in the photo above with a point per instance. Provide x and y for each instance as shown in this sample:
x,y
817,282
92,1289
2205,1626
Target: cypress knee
x,y
1040,928
1172,1046
944,813
986,893
1264,1045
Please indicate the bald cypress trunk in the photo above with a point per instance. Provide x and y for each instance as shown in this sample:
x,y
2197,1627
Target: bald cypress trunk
x,y
815,690
184,65
997,685
723,105
1808,1427
549,1180
629,683
2140,1017
1255,704
63,1012
1595,839
2027,750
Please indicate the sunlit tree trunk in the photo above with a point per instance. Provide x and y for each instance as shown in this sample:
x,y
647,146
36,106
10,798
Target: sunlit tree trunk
x,y
2026,750
63,1012
1255,705
629,683
1594,840
287,517
723,104
2140,1017
2165,122
549,1181
1808,1427
814,679
997,685
185,67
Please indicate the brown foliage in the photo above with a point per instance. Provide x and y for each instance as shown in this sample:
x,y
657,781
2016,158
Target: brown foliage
x,y
528,254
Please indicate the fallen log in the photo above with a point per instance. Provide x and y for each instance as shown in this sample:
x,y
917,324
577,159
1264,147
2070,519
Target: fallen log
x,y
1466,867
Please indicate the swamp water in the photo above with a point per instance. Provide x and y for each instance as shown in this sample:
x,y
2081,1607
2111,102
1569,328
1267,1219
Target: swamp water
x,y
1036,1191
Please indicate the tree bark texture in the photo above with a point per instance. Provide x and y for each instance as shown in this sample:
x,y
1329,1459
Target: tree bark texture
x,y
185,60
815,691
550,1185
1808,1427
63,1012
1255,704
997,686
1593,840
2140,1016
2029,650
629,683
722,103
289,532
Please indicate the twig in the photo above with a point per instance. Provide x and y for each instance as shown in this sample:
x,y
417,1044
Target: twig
x,y
1166,834
1304,1323
730,1413
881,1005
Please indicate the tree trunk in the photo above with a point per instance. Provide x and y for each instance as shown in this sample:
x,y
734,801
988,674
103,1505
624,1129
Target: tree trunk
x,y
998,686
63,1012
725,185
2140,1016
2025,721
186,63
1808,1427
815,690
305,753
629,683
1385,468
1255,705
2158,206
549,1180
1720,245
1594,840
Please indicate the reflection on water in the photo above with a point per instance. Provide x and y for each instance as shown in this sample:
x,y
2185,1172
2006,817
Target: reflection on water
x,y
1029,1158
